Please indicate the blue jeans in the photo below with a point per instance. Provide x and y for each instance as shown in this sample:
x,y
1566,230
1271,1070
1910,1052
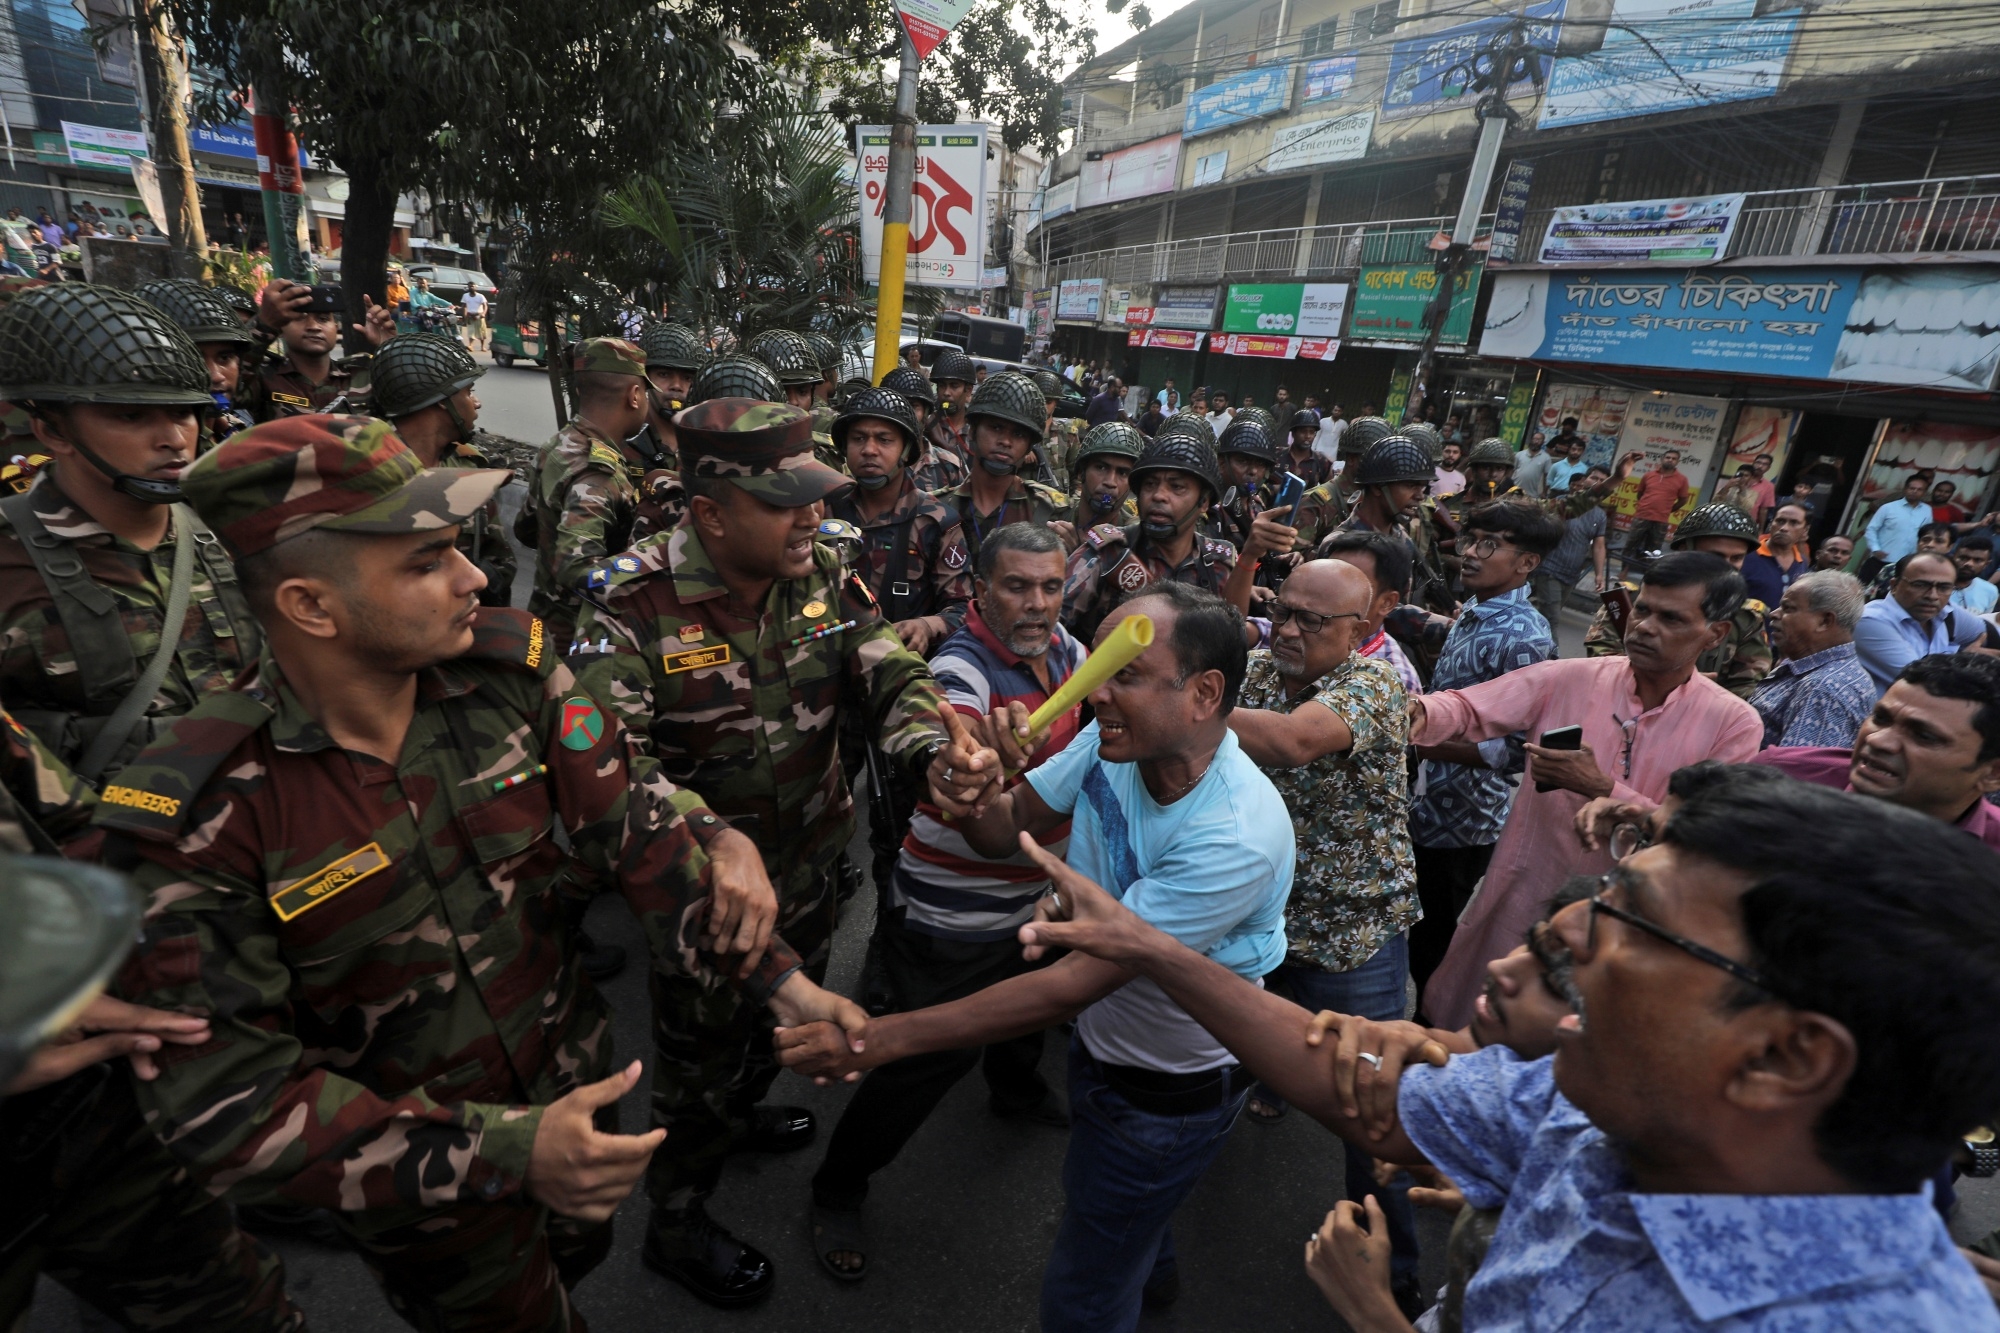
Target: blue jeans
x,y
1375,990
1126,1172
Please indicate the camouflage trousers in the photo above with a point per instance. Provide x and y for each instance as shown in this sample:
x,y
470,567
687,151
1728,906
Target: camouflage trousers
x,y
712,1058
101,1207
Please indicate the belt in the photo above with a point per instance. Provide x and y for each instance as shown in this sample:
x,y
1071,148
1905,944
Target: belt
x,y
1158,1092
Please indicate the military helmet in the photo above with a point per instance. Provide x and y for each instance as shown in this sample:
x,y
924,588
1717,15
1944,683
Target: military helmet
x,y
1717,520
1427,437
1011,396
200,311
1305,419
1250,437
1396,458
1180,453
1117,439
70,342
1361,433
1193,425
952,364
789,356
883,405
671,346
1258,415
735,377
1492,451
1049,383
826,355
237,300
414,371
913,384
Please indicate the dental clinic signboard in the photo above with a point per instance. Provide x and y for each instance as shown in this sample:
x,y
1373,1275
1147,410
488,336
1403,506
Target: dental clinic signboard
x,y
1920,325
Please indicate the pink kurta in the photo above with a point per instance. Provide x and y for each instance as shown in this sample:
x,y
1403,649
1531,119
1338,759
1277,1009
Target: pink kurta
x,y
1538,847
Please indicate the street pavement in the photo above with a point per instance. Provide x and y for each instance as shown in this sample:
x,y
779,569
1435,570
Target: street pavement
x,y
961,1224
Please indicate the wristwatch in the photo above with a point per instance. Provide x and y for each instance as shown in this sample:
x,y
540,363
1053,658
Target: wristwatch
x,y
920,761
1985,1153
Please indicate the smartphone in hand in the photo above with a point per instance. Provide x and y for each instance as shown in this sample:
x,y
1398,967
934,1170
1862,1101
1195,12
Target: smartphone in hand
x,y
1561,738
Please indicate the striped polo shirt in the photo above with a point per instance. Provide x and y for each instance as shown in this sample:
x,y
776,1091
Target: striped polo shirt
x,y
944,887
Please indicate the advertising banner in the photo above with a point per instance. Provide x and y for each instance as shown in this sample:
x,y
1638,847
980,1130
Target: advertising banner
x,y
1719,53
1262,91
947,209
1965,455
1761,432
1184,307
1510,214
96,146
1118,305
1390,301
1520,405
1171,340
1060,198
1041,312
1327,80
232,140
1656,423
930,21
1916,325
1312,310
1208,168
1284,349
1131,173
1138,316
1646,230
1599,412
1342,139
1080,299
1417,84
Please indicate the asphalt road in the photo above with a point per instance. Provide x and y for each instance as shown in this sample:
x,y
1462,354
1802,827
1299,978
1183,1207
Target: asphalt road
x,y
960,1226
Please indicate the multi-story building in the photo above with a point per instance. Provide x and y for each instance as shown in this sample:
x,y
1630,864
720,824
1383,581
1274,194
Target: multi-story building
x,y
1258,188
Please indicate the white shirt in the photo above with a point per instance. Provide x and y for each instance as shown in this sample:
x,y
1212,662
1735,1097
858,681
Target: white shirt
x,y
1327,443
1220,420
474,302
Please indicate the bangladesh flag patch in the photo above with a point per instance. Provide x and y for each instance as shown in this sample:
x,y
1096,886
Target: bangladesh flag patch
x,y
582,724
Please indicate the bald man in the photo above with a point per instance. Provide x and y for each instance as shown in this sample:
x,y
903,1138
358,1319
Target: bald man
x,y
1327,726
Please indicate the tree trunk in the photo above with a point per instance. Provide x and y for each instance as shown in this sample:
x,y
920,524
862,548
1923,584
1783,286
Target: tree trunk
x,y
166,87
552,354
364,241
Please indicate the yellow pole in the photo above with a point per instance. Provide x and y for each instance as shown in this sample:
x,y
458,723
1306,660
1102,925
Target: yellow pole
x,y
889,302
896,214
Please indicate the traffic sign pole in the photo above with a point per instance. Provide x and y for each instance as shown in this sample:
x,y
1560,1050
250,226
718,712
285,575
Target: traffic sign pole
x,y
896,213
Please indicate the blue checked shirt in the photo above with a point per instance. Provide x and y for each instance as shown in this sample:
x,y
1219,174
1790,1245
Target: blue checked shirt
x,y
1818,700
1460,805
1578,1250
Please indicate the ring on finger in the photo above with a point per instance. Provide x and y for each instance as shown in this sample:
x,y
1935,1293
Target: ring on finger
x,y
1374,1060
947,775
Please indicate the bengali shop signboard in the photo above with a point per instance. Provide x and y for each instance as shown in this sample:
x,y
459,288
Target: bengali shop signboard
x,y
1427,73
1262,91
1171,340
1672,55
1643,231
1080,299
1342,139
1284,349
928,22
1390,301
1312,310
1184,308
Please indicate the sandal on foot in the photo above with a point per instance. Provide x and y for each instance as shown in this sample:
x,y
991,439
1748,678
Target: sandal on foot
x,y
835,1229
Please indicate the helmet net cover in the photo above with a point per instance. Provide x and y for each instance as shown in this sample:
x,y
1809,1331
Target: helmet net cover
x,y
414,371
1191,424
76,343
200,311
670,346
1011,396
1717,519
1396,458
789,356
1361,433
735,377
1117,439
1492,452
880,404
825,353
1251,438
912,383
952,364
1180,453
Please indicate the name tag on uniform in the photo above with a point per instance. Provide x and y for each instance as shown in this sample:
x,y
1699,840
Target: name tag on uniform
x,y
695,657
291,399
342,875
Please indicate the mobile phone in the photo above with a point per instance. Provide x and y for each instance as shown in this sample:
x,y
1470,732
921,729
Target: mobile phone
x,y
1617,601
1292,493
1561,738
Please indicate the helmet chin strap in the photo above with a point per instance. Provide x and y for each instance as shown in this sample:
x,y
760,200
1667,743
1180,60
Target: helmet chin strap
x,y
461,428
143,489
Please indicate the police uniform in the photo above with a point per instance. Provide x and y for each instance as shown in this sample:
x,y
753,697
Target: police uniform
x,y
1738,664
944,464
378,945
1113,563
273,387
742,705
1026,502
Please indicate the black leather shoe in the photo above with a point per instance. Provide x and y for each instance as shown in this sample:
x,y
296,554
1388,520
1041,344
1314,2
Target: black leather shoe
x,y
778,1129
1048,1111
601,962
692,1249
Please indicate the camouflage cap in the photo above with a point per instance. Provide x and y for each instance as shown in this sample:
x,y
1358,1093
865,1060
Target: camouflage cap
x,y
765,448
272,482
607,356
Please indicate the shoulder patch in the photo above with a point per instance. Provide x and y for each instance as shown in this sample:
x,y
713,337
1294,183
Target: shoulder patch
x,y
1132,576
1755,607
953,556
1105,534
858,588
513,638
604,456
155,794
1219,550
1048,493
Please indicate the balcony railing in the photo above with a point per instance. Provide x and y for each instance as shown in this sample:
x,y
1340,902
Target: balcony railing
x,y
1959,214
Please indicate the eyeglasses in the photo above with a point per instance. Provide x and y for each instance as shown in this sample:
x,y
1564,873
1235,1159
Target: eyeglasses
x,y
1599,907
1928,586
1485,547
1310,622
1627,839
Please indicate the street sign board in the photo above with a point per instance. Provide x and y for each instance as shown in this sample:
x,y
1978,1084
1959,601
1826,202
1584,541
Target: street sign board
x,y
929,22
947,211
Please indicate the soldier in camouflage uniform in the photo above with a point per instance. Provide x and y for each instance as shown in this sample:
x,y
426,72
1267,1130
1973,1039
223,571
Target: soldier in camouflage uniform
x,y
827,353
1299,458
937,469
730,648
359,892
1062,435
792,361
306,377
1176,480
225,344
586,487
1740,663
423,387
1004,420
1248,450
662,498
1325,506
673,355
1104,463
950,429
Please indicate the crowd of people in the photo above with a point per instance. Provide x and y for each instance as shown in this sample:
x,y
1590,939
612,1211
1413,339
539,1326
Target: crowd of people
x,y
1668,966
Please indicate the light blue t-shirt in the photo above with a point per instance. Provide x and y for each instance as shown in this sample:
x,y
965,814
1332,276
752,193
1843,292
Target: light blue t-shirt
x,y
1978,597
1213,870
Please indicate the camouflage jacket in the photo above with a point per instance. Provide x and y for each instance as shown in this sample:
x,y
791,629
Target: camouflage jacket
x,y
937,468
378,946
35,785
953,448
1026,502
484,539
585,493
902,549
1316,470
276,388
1113,563
1059,450
39,676
1739,665
742,704
1082,518
824,449
1323,509
1231,522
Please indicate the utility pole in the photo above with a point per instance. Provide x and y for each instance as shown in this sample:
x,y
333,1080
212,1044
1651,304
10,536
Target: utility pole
x,y
896,212
1507,59
283,188
164,82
